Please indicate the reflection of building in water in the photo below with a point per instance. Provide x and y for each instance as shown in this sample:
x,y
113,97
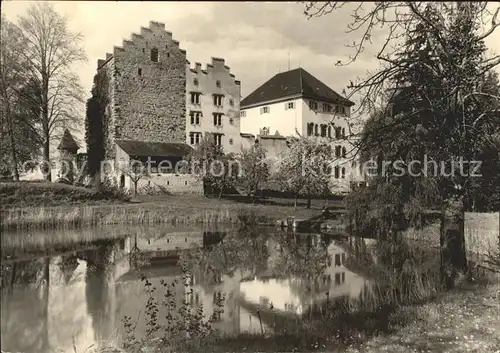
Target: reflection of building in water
x,y
298,294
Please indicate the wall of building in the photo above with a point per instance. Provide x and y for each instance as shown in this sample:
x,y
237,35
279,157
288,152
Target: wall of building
x,y
285,121
204,81
148,98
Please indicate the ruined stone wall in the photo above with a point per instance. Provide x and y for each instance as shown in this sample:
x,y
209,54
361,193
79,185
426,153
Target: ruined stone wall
x,y
205,82
148,97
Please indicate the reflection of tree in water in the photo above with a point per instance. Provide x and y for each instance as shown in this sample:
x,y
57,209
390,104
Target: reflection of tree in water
x,y
96,290
27,329
300,259
245,251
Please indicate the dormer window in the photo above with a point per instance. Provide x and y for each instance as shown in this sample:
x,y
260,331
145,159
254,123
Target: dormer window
x,y
313,105
154,55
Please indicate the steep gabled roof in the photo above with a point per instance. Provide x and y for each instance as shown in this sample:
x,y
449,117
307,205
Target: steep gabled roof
x,y
154,149
68,142
293,83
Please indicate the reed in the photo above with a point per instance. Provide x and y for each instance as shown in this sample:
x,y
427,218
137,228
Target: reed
x,y
69,217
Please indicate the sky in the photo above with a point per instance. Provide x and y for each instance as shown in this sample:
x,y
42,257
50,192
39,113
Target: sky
x,y
257,39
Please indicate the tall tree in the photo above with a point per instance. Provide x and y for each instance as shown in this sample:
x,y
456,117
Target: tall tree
x,y
16,94
444,74
51,50
96,130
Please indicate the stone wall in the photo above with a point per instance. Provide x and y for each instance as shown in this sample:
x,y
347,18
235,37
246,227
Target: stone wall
x,y
148,98
205,81
172,183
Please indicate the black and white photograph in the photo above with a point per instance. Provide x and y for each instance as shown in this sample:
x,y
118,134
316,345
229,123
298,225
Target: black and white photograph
x,y
249,176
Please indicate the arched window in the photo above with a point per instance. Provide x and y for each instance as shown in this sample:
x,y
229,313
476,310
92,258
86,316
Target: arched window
x,y
343,173
154,55
337,172
310,129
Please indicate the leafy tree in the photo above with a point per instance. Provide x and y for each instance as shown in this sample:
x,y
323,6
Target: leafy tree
x,y
50,50
254,169
442,62
95,125
209,163
305,168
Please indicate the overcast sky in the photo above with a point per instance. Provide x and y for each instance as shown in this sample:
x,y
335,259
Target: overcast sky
x,y
254,38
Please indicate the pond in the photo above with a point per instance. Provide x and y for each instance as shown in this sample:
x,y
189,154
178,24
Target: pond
x,y
67,291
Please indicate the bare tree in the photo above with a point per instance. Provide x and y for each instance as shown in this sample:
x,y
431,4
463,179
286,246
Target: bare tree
x,y
50,50
135,170
451,65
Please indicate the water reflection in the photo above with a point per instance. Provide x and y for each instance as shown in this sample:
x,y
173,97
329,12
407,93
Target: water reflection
x,y
77,296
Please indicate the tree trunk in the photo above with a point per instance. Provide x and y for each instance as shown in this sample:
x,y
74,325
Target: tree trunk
x,y
452,239
13,151
47,167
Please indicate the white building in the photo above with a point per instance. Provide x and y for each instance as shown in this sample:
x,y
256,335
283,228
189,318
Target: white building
x,y
295,103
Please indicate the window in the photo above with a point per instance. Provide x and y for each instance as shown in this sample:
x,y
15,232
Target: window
x,y
343,132
313,105
329,131
143,50
289,105
154,55
327,107
323,130
243,113
195,137
344,152
343,258
217,119
343,277
139,71
195,97
218,100
343,173
231,141
336,172
231,102
195,82
265,110
217,83
195,117
218,139
340,109
316,132
338,278
338,151
231,121
338,133
310,129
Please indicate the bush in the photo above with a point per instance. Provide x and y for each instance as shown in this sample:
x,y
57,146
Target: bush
x,y
110,190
